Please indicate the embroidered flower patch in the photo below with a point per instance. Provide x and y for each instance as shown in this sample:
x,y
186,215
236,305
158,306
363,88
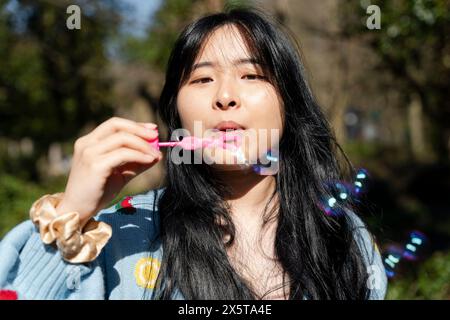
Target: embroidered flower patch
x,y
146,271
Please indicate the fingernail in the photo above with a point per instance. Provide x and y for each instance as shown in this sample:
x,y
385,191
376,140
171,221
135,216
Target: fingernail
x,y
152,135
150,126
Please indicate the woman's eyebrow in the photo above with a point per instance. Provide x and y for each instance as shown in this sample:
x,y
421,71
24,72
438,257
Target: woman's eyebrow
x,y
235,62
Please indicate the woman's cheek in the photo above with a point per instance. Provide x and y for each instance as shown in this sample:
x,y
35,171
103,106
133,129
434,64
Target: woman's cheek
x,y
193,105
186,110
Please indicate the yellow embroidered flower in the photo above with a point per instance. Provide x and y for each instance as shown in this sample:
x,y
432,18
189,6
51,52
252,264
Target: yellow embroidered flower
x,y
146,272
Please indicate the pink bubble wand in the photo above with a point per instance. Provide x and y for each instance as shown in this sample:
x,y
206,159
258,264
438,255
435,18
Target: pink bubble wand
x,y
193,143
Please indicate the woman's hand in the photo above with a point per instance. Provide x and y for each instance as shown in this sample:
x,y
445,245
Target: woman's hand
x,y
104,161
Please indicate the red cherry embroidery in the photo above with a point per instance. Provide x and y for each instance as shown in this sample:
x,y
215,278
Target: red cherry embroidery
x,y
126,202
125,206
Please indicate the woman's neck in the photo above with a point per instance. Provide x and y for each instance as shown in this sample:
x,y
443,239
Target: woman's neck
x,y
250,192
252,253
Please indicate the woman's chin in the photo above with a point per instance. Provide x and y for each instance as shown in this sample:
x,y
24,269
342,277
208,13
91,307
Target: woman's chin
x,y
232,157
231,168
221,156
229,160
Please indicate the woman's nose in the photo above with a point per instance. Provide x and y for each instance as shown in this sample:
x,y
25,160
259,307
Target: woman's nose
x,y
226,104
227,97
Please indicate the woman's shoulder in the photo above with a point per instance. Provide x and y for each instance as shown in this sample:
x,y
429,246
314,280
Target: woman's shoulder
x,y
363,236
377,279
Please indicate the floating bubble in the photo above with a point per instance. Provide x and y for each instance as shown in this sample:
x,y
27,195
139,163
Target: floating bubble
x,y
267,165
394,255
328,206
334,202
391,259
413,247
341,192
331,207
360,185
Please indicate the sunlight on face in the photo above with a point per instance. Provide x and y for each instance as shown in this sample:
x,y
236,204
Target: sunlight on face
x,y
227,85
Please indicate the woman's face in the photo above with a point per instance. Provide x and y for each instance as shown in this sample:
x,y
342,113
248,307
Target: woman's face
x,y
228,91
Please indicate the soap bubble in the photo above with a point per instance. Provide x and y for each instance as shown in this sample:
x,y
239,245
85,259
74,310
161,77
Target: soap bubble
x,y
391,258
339,193
410,251
334,202
360,185
267,165
414,246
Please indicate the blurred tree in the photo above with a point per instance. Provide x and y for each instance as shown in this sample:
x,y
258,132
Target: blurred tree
x,y
169,20
154,49
52,79
413,45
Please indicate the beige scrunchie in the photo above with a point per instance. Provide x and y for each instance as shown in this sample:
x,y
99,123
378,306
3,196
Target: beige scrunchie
x,y
75,245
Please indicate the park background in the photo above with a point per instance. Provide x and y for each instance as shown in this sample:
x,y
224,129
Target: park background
x,y
386,93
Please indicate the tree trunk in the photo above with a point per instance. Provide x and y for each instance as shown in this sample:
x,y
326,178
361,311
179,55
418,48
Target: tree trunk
x,y
416,129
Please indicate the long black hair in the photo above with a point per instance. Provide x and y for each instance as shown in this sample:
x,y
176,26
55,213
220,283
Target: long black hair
x,y
318,252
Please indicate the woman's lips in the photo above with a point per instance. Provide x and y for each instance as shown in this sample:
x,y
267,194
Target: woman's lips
x,y
228,125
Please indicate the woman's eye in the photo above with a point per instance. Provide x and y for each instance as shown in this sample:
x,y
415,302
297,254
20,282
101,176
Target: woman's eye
x,y
254,77
202,80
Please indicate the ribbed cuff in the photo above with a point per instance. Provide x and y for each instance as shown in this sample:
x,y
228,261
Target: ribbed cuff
x,y
36,270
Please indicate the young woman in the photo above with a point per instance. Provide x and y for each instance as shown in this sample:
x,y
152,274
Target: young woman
x,y
217,230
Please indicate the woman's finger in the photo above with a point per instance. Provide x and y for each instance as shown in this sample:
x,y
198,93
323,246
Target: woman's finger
x,y
116,124
125,139
121,156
